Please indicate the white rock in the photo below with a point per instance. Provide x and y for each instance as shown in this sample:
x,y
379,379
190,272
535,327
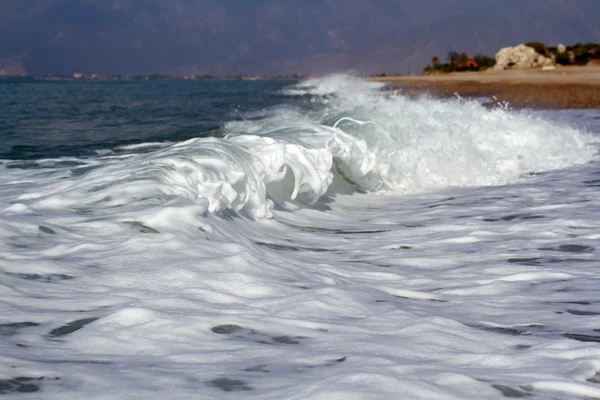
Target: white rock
x,y
561,48
521,57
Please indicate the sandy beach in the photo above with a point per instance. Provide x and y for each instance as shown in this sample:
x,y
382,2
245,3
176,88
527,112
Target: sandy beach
x,y
561,88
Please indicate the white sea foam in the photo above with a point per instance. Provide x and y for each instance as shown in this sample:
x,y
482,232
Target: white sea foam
x,y
378,141
142,146
333,85
250,266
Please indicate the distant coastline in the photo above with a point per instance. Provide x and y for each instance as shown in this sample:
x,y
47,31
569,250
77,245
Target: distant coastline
x,y
528,75
151,77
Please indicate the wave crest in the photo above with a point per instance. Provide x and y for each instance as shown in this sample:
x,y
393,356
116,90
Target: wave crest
x,y
374,139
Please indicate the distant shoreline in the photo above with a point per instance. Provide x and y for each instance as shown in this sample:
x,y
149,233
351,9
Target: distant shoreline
x,y
570,87
135,78
562,88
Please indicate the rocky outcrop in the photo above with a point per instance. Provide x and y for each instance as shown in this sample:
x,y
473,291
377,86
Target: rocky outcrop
x,y
521,57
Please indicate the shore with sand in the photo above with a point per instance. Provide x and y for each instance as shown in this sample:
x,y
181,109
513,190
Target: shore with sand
x,y
573,87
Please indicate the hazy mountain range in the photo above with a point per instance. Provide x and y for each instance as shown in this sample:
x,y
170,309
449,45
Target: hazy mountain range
x,y
274,36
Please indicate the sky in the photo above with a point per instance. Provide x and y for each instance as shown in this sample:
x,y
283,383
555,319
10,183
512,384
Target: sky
x,y
273,37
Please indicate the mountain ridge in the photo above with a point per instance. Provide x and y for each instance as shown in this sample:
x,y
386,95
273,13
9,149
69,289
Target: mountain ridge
x,y
276,36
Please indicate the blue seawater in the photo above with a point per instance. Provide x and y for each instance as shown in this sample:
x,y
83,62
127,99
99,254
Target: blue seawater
x,y
43,119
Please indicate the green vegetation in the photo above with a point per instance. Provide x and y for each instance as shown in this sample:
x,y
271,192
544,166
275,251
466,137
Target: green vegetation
x,y
584,52
578,54
563,58
539,47
484,62
457,62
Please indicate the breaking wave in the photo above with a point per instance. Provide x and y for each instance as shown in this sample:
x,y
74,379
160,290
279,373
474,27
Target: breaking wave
x,y
346,134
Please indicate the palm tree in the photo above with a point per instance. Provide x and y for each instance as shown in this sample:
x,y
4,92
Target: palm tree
x,y
453,58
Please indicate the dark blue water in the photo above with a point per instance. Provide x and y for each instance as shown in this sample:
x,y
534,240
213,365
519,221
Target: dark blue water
x,y
40,119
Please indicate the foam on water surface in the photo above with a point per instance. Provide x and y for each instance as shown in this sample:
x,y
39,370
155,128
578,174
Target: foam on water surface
x,y
358,245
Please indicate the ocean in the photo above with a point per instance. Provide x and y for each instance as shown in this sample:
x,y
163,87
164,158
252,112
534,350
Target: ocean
x,y
330,238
